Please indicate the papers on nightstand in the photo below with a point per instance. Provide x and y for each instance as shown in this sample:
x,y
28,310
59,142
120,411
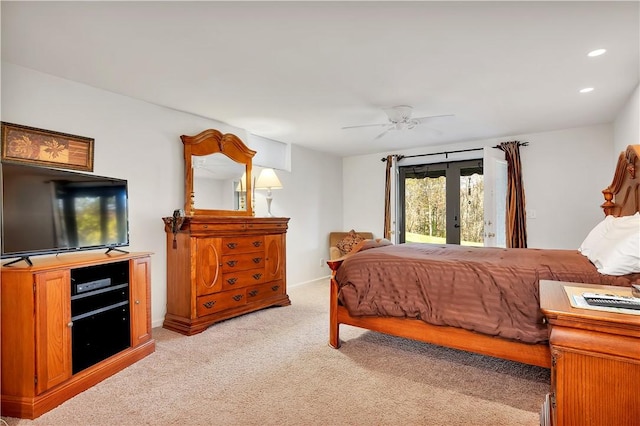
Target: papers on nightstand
x,y
577,301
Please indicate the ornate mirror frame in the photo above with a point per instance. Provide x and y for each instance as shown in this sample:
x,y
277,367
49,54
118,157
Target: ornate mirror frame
x,y
210,142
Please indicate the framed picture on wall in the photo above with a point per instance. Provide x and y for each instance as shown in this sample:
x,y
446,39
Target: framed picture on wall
x,y
22,144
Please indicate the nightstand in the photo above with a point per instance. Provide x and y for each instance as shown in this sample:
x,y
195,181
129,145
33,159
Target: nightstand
x,y
595,361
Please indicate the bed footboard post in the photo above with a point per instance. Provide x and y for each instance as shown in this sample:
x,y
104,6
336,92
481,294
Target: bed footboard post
x,y
334,325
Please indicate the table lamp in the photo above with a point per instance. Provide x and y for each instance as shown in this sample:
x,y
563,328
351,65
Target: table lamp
x,y
268,180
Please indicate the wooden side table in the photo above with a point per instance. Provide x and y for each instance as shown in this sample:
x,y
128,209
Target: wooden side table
x,y
595,365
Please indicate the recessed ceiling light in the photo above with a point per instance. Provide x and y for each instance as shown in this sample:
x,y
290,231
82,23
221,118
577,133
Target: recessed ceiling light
x,y
596,52
586,90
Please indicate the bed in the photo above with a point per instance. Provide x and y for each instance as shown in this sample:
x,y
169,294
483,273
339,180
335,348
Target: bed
x,y
477,299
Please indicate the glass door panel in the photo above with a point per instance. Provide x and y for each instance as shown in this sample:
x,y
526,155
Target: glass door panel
x,y
471,208
442,203
425,208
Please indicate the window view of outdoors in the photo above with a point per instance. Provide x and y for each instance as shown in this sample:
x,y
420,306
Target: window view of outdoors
x,y
426,209
471,210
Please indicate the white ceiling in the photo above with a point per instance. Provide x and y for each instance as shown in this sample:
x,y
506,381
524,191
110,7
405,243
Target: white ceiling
x,y
298,72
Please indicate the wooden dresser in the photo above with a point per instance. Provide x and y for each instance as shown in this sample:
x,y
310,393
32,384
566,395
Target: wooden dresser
x,y
595,372
69,322
219,267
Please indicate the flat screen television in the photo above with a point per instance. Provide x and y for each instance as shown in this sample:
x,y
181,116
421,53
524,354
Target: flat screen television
x,y
46,211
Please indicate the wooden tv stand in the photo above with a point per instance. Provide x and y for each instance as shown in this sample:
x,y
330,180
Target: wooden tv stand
x,y
37,327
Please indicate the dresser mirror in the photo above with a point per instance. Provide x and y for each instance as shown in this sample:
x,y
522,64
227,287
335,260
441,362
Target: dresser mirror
x,y
217,175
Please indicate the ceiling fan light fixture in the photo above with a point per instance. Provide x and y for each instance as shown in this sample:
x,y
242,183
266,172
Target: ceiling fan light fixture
x,y
398,113
596,52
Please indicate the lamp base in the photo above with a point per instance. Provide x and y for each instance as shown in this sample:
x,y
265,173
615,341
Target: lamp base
x,y
269,199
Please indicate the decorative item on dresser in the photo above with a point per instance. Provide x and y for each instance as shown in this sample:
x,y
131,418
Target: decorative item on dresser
x,y
69,322
222,263
595,368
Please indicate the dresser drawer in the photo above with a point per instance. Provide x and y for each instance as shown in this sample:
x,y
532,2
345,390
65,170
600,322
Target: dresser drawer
x,y
243,278
242,261
217,302
215,229
242,244
265,291
268,226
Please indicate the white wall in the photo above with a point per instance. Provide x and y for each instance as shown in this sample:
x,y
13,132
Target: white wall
x,y
140,142
312,198
564,173
363,193
626,128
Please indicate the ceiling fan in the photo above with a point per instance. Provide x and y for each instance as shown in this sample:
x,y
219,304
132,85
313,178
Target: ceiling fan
x,y
399,118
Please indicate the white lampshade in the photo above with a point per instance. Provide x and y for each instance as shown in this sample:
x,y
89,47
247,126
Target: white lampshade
x,y
268,180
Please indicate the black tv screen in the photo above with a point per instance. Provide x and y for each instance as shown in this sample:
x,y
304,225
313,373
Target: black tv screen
x,y
47,211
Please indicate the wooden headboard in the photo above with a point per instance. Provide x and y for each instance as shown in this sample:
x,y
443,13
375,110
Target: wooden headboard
x,y
622,197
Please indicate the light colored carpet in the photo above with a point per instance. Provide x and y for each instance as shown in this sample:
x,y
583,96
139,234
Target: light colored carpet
x,y
274,367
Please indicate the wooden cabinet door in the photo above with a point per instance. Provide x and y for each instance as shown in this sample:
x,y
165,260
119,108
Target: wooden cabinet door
x,y
53,328
208,267
140,300
275,257
595,388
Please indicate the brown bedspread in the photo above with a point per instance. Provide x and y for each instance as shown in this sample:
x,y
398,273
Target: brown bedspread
x,y
489,290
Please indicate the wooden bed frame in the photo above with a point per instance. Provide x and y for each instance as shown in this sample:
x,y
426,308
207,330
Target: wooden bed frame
x,y
622,198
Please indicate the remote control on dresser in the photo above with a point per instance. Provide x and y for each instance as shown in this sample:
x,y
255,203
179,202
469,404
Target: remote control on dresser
x,y
612,301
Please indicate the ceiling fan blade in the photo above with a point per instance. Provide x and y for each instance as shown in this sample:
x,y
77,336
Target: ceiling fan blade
x,y
365,125
421,120
382,134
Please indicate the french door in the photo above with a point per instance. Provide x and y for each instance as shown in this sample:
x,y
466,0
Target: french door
x,y
442,203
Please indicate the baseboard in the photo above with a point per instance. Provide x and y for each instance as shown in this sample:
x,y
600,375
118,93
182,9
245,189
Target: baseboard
x,y
315,280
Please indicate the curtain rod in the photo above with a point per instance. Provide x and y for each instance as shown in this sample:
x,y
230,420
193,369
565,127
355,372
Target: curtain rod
x,y
519,144
446,153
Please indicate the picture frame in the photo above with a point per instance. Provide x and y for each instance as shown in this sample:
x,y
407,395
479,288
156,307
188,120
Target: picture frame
x,y
24,144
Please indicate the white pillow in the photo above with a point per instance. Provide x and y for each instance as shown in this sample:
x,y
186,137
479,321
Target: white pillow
x,y
618,251
596,234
